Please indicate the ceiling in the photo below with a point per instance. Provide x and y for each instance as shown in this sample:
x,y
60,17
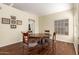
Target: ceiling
x,y
41,8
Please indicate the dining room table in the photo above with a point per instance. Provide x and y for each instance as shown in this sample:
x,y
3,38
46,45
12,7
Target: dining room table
x,y
38,35
39,40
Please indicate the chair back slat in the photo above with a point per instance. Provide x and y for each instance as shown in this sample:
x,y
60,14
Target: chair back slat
x,y
47,32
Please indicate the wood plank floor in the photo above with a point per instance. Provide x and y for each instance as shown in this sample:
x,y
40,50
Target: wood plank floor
x,y
62,48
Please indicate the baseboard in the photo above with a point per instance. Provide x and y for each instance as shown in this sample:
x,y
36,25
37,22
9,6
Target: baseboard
x,y
10,44
65,41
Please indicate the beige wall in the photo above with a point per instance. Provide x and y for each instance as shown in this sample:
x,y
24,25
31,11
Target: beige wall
x,y
47,22
8,35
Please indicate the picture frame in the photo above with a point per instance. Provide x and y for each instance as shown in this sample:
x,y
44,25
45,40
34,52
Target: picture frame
x,y
13,26
5,21
18,22
13,21
13,17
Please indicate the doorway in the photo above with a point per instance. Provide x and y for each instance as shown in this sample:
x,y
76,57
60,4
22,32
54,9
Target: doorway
x,y
31,26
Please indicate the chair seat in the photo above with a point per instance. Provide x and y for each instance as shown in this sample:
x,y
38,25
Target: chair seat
x,y
32,44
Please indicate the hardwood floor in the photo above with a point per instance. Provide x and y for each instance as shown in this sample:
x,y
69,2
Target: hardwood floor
x,y
62,48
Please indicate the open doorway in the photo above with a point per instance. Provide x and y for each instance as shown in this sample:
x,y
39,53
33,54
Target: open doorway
x,y
31,26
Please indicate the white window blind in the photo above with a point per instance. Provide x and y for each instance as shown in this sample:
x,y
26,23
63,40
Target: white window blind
x,y
61,26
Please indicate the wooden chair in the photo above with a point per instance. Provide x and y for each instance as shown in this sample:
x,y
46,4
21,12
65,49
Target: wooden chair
x,y
27,44
47,32
25,38
54,43
25,41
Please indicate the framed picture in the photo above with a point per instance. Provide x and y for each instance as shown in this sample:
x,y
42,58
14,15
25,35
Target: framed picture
x,y
19,22
13,21
13,17
5,21
13,26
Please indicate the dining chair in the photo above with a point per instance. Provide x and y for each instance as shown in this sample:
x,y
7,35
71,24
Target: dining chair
x,y
27,44
25,41
54,43
25,38
47,32
46,39
28,41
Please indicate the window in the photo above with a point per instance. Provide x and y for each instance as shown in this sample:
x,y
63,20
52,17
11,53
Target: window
x,y
62,26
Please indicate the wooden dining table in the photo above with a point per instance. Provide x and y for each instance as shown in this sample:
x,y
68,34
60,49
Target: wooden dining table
x,y
38,35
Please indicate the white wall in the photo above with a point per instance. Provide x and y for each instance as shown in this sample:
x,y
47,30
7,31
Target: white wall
x,y
47,22
8,35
